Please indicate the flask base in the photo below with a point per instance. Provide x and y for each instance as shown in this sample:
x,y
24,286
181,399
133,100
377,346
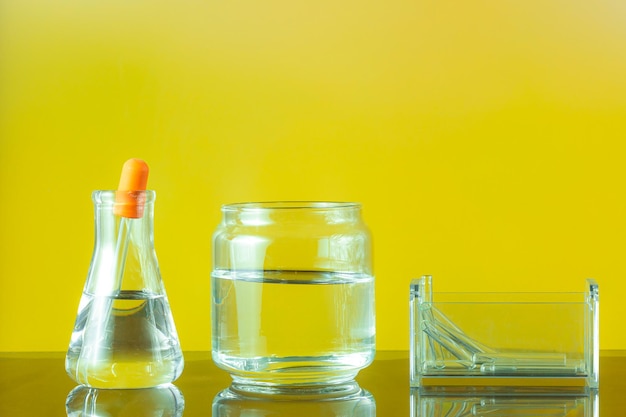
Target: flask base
x,y
124,375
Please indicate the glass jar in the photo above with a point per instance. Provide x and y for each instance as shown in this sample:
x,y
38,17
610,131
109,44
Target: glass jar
x,y
292,294
353,402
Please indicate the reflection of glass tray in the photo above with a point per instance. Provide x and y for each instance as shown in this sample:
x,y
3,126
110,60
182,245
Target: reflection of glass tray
x,y
522,341
492,406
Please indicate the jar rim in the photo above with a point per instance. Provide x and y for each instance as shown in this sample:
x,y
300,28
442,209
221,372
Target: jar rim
x,y
290,205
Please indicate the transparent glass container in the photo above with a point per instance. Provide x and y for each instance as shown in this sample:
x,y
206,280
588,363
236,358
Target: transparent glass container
x,y
292,294
124,335
504,342
354,402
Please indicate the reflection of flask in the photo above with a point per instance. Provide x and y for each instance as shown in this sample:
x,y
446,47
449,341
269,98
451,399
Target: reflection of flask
x,y
124,336
163,401
353,402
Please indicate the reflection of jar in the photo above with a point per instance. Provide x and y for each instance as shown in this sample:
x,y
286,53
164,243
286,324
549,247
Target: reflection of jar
x,y
293,293
357,403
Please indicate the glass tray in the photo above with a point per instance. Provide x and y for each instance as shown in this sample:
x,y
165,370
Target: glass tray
x,y
504,343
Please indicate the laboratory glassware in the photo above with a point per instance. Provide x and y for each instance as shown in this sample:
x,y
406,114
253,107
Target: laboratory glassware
x,y
504,342
292,295
354,402
124,334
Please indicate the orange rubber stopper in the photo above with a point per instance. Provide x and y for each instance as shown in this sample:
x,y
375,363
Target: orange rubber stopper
x,y
129,200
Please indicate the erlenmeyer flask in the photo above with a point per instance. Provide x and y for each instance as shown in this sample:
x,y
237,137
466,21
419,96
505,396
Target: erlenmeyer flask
x,y
124,335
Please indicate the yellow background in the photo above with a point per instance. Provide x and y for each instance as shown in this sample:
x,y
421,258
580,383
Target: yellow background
x,y
485,139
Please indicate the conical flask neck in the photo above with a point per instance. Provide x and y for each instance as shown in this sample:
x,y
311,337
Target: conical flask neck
x,y
107,222
124,259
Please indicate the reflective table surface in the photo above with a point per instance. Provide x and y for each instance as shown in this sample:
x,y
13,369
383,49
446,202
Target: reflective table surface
x,y
35,384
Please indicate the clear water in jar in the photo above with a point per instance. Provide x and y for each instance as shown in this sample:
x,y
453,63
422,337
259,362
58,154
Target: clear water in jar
x,y
293,327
